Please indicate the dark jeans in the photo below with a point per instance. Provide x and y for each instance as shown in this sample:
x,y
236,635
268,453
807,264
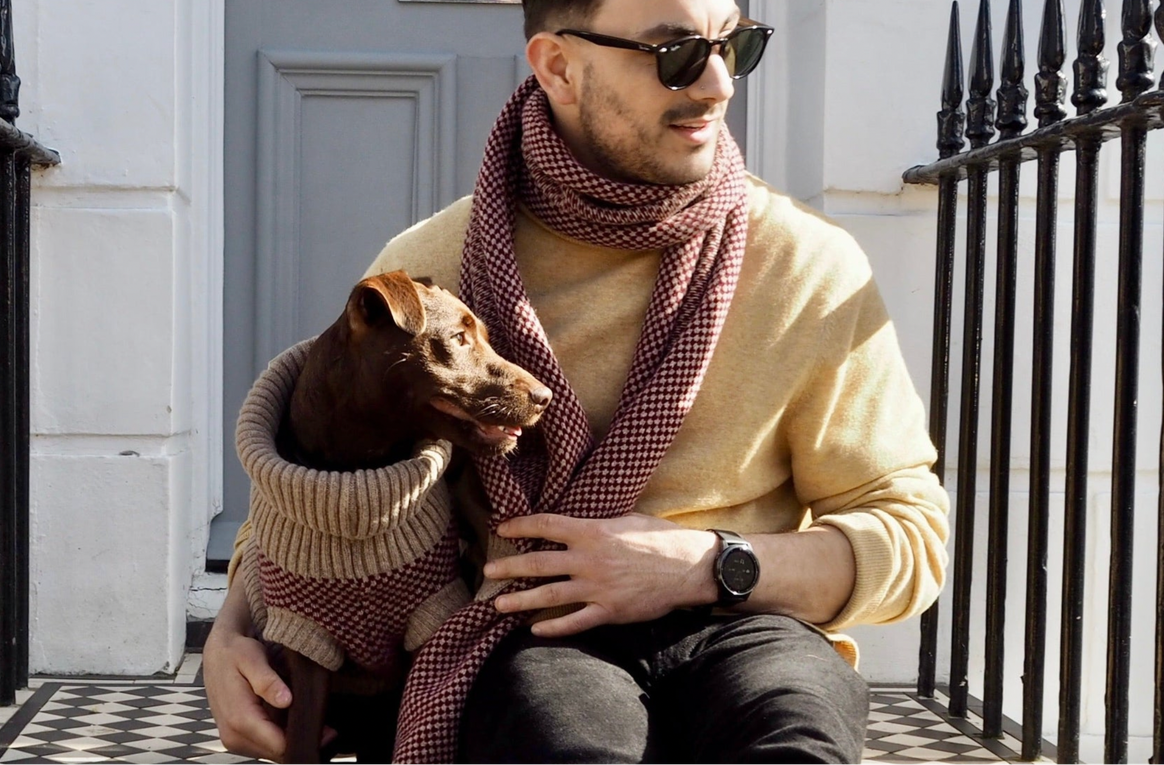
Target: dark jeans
x,y
684,688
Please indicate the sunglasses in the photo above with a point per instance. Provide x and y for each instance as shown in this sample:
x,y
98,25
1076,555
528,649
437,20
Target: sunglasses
x,y
681,62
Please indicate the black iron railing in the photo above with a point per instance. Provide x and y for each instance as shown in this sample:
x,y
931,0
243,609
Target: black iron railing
x,y
18,153
1141,110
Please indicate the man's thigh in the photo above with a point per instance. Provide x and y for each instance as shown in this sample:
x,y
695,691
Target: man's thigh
x,y
563,700
762,689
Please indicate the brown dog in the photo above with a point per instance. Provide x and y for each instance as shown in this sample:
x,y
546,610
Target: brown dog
x,y
405,361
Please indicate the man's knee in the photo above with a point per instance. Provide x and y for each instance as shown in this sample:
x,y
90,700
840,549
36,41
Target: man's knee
x,y
552,701
775,691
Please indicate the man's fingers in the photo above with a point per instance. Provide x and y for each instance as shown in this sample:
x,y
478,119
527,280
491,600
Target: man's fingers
x,y
593,615
263,679
536,565
254,735
546,596
556,528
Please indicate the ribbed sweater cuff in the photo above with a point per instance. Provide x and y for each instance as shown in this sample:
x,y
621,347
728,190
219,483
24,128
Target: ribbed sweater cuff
x,y
877,568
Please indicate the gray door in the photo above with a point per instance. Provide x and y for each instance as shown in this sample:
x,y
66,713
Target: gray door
x,y
346,121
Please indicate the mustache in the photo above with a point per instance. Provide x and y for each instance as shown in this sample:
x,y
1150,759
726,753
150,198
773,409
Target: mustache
x,y
688,112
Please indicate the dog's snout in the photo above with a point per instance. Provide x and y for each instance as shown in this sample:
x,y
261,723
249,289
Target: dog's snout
x,y
540,396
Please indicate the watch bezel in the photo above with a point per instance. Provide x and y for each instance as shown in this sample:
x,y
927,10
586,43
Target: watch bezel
x,y
721,563
732,543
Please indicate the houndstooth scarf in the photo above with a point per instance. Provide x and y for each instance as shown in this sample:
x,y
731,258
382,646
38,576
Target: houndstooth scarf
x,y
701,228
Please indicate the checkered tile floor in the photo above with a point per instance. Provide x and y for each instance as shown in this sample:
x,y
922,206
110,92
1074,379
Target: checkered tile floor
x,y
71,720
904,727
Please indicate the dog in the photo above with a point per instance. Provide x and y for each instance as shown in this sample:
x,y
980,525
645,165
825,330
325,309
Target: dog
x,y
415,345
405,361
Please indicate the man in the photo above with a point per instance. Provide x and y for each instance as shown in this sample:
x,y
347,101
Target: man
x,y
720,359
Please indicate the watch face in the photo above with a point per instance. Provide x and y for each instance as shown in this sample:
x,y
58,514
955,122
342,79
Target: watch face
x,y
739,571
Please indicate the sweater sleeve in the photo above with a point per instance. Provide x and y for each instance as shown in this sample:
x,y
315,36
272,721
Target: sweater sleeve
x,y
862,457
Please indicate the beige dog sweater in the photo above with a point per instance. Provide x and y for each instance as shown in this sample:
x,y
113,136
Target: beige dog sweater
x,y
359,564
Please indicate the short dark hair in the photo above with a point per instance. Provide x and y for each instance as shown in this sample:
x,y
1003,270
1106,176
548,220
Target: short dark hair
x,y
540,14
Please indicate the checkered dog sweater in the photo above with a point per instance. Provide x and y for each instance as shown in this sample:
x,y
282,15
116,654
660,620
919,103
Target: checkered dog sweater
x,y
359,564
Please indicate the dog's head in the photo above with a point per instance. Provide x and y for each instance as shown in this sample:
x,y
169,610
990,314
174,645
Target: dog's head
x,y
422,349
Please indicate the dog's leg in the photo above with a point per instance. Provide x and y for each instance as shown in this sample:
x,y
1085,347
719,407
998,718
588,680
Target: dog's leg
x,y
309,687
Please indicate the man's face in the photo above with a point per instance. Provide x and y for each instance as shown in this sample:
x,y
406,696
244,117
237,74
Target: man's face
x,y
633,128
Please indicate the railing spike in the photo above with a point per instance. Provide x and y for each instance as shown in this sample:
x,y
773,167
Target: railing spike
x,y
1012,93
1136,50
1091,66
951,119
1050,82
9,82
980,107
1160,30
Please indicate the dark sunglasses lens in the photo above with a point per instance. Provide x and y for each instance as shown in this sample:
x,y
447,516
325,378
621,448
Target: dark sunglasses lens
x,y
682,64
742,52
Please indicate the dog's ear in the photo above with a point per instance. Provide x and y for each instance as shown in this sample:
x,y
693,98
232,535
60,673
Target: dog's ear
x,y
388,296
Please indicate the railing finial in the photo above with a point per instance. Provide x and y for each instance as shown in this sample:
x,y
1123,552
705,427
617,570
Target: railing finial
x,y
1136,49
1160,32
1050,82
980,107
1012,93
951,119
9,82
1091,66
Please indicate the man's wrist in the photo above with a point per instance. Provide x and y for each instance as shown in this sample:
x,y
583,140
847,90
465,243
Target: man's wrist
x,y
234,618
702,589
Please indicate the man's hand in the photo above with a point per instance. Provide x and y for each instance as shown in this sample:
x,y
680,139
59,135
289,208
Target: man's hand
x,y
628,569
238,679
637,568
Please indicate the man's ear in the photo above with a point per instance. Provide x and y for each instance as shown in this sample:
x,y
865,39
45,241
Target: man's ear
x,y
549,58
384,297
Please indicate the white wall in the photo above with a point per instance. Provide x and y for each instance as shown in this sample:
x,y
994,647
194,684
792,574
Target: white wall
x,y
126,274
848,105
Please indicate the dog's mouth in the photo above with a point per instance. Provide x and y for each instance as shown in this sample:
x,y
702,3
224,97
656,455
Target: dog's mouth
x,y
500,437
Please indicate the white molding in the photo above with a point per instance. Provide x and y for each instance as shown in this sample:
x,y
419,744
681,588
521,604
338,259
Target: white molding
x,y
206,268
768,98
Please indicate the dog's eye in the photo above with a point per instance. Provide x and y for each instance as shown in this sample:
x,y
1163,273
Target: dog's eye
x,y
461,338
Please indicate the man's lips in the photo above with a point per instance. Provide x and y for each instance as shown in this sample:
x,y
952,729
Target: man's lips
x,y
697,130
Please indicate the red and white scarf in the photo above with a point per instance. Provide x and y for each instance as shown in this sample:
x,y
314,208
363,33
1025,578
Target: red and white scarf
x,y
701,228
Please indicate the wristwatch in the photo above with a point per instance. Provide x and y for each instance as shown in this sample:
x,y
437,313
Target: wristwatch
x,y
737,570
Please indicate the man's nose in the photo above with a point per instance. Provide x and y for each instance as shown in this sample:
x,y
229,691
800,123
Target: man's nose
x,y
715,84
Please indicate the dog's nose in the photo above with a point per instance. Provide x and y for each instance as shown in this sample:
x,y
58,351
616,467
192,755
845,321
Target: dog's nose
x,y
540,396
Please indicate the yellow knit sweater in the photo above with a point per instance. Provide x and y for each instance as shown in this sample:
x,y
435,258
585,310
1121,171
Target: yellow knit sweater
x,y
807,414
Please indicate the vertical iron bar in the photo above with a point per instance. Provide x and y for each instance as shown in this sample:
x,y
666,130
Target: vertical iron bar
x,y
1124,450
13,547
1051,93
980,112
1135,53
1039,512
1012,120
1090,94
951,123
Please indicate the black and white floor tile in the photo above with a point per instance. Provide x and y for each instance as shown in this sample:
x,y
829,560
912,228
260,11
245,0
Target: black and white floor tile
x,y
166,719
903,727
